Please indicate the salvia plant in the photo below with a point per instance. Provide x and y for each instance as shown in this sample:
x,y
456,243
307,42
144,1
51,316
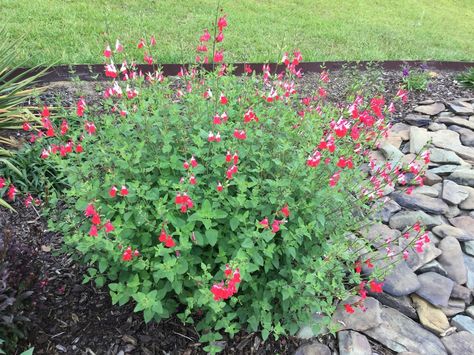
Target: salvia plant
x,y
416,78
230,201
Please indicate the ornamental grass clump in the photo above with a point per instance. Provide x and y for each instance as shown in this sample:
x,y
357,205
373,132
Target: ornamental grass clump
x,y
226,200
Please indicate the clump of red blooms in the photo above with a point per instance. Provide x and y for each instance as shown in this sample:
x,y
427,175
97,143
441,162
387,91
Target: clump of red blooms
x,y
227,288
361,121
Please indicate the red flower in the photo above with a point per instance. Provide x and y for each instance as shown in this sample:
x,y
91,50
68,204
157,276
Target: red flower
x,y
162,236
193,162
358,267
192,180
221,23
264,222
81,106
11,193
376,287
124,190
45,113
285,211
79,148
108,227
228,157
218,56
26,126
276,225
90,127
2,182
90,210
113,191
95,219
186,165
223,100
93,231
349,308
141,43
369,264
219,187
240,134
169,242
205,37
152,41
107,52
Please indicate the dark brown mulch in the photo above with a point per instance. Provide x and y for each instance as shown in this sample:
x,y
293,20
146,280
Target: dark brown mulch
x,y
68,317
72,318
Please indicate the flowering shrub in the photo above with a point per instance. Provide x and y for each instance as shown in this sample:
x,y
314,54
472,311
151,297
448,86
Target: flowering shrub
x,y
223,199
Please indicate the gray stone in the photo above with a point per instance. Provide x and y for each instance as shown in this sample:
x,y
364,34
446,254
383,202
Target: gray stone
x,y
420,202
359,320
389,209
431,178
453,193
445,230
449,140
429,191
454,211
378,233
466,135
431,110
463,177
415,259
446,169
470,311
419,138
433,266
469,248
435,126
469,263
454,307
444,156
461,343
426,102
401,130
463,323
462,293
418,120
463,222
456,120
400,333
315,348
401,281
436,289
391,152
461,108
452,259
353,343
468,203
403,219
402,304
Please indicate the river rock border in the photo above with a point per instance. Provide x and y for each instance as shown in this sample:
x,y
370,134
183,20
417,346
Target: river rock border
x,y
427,304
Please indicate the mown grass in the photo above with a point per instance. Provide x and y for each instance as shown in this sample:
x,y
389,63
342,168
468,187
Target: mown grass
x,y
70,31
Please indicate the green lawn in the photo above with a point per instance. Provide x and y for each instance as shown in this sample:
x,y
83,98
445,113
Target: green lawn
x,y
73,31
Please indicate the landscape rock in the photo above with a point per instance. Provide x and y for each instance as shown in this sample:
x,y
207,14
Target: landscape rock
x,y
314,329
431,317
463,177
444,156
445,230
401,281
456,120
449,140
418,120
463,323
400,333
433,266
463,293
315,348
452,259
359,320
466,134
470,311
463,222
454,307
461,343
454,211
453,193
416,260
469,263
431,178
391,152
420,202
401,130
469,248
402,304
378,233
446,169
403,219
435,126
419,138
427,191
431,110
468,203
389,209
461,108
353,343
435,288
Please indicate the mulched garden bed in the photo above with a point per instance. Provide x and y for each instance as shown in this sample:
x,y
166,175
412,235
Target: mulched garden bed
x,y
69,317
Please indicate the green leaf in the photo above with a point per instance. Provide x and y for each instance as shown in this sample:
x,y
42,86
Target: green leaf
x,y
100,281
211,236
28,352
234,223
103,264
